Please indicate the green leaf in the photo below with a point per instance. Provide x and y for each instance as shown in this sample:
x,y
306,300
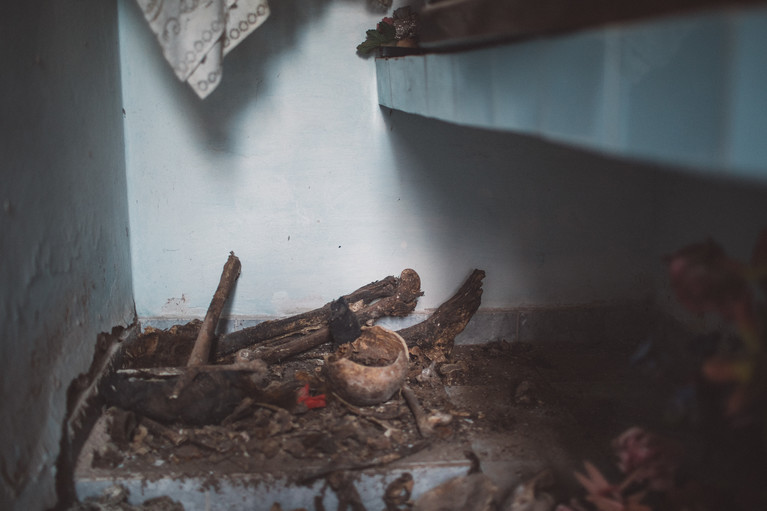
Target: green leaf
x,y
376,38
388,31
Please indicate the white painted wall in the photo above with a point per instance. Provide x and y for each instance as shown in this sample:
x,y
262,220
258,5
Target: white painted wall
x,y
292,164
65,272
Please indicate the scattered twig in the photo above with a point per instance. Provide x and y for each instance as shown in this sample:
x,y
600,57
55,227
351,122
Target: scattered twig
x,y
401,452
449,320
273,408
256,367
421,419
158,429
301,323
388,428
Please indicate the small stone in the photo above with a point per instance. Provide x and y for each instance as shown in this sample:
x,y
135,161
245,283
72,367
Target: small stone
x,y
524,394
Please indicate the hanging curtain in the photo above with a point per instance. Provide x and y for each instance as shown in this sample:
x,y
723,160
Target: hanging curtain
x,y
195,35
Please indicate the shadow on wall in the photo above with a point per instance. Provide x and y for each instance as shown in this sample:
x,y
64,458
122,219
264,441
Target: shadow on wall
x,y
566,224
245,67
731,212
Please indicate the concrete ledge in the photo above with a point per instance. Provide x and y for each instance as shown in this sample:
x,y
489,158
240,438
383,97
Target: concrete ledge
x,y
685,90
248,492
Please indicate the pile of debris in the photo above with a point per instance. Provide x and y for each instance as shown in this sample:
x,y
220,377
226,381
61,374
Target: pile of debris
x,y
319,394
324,396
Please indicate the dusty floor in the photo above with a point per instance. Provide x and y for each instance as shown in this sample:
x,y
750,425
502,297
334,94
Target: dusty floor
x,y
519,408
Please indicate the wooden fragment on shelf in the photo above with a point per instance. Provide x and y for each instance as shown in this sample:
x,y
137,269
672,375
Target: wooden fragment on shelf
x,y
400,303
304,323
450,318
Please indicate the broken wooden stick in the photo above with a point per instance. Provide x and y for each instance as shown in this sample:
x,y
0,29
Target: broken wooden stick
x,y
426,422
367,415
437,332
400,303
301,323
421,419
202,346
198,393
450,318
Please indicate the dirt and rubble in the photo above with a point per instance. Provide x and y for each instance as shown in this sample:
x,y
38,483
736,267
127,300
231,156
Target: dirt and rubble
x,y
503,401
522,409
538,424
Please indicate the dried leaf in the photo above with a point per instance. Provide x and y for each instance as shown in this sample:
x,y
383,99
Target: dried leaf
x,y
646,457
594,483
606,496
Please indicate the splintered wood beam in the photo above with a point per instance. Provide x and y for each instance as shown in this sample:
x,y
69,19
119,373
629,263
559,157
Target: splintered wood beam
x,y
400,303
436,332
279,339
450,318
464,22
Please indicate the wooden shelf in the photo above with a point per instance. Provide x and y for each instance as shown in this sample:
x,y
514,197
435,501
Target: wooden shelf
x,y
451,23
688,90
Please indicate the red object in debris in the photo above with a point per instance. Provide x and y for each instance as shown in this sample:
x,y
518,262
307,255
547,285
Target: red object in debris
x,y
317,401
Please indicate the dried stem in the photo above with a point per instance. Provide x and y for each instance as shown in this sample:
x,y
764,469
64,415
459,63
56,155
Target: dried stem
x,y
388,428
421,419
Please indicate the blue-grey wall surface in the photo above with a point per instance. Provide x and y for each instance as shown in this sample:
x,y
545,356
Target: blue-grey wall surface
x,y
293,165
65,274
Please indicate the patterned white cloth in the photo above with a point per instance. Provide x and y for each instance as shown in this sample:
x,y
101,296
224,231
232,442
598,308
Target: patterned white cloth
x,y
196,34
